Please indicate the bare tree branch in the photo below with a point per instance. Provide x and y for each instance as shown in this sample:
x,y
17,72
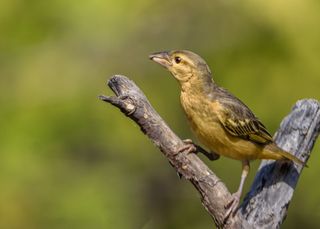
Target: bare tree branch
x,y
266,205
297,134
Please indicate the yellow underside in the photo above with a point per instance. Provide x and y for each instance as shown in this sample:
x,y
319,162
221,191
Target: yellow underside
x,y
210,132
216,139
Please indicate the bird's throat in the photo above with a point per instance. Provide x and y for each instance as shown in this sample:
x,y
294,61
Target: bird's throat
x,y
198,86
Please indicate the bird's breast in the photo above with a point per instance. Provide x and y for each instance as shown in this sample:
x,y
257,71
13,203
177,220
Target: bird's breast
x,y
202,114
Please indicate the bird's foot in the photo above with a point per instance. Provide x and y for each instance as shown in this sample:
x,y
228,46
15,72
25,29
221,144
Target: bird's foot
x,y
193,148
233,206
188,146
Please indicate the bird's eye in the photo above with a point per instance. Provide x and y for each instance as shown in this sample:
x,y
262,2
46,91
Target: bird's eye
x,y
177,59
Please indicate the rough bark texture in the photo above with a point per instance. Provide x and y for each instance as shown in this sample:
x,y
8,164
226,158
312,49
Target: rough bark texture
x,y
266,204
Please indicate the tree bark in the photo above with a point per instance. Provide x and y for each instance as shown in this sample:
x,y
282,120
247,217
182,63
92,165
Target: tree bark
x,y
266,204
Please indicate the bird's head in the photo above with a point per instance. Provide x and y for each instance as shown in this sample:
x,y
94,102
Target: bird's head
x,y
184,65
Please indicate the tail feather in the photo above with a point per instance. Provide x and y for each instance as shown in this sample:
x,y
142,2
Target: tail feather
x,y
272,151
291,157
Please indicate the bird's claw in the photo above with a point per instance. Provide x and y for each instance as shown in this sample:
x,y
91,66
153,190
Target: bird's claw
x,y
187,141
188,147
232,206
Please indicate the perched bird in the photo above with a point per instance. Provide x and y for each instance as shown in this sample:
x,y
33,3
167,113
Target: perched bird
x,y
221,122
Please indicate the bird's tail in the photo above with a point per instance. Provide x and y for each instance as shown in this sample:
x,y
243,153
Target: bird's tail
x,y
279,154
291,157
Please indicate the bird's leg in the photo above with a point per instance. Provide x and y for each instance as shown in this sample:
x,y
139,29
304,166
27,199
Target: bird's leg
x,y
232,206
190,147
212,156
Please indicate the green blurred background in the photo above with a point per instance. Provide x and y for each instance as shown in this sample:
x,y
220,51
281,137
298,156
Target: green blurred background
x,y
69,160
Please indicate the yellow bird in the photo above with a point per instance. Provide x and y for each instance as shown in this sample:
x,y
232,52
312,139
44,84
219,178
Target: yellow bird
x,y
221,122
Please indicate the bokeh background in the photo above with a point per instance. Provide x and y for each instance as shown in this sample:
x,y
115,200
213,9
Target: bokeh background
x,y
68,160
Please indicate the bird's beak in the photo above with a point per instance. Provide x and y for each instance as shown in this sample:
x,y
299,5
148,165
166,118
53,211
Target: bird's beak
x,y
161,58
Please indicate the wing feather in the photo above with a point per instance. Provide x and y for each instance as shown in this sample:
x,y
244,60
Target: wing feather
x,y
239,120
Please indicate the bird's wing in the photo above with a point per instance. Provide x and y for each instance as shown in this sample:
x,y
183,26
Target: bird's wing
x,y
239,120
